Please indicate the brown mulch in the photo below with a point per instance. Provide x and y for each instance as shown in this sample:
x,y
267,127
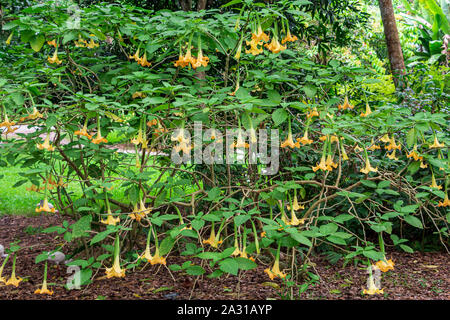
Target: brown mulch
x,y
416,276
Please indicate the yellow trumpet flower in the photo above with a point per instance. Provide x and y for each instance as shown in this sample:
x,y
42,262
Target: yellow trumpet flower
x,y
385,265
143,61
433,183
116,270
83,132
54,58
254,50
13,280
368,168
99,139
413,154
345,105
436,144
213,241
322,165
240,142
260,35
44,289
305,140
200,61
8,41
44,207
275,46
373,289
289,37
289,142
444,203
368,111
392,155
275,271
46,145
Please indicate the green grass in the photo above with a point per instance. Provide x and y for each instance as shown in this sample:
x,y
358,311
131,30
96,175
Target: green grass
x,y
16,200
20,201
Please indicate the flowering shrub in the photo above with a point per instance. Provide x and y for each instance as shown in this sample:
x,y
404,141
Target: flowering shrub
x,y
112,92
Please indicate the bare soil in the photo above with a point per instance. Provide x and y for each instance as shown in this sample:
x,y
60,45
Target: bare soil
x,y
421,276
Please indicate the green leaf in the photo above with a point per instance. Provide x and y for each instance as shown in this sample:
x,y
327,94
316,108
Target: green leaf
x,y
37,42
195,270
414,221
166,245
80,227
279,116
245,264
102,235
229,265
411,137
301,238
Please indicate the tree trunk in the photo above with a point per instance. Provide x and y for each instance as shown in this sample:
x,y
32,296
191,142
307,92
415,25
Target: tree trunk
x,y
201,5
393,42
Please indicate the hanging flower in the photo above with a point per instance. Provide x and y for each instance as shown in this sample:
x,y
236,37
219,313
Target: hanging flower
x,y
110,220
275,46
45,207
3,279
254,50
436,144
295,205
294,220
33,115
385,265
312,113
147,255
201,60
289,142
46,145
368,111
14,281
115,270
6,123
368,167
433,182
260,35
99,139
289,37
44,289
143,61
413,154
345,105
392,155
8,41
52,43
157,259
330,164
372,288
322,165
343,153
445,203
213,241
83,131
240,142
135,57
275,271
237,56
184,61
392,145
54,58
92,44
138,139
305,140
